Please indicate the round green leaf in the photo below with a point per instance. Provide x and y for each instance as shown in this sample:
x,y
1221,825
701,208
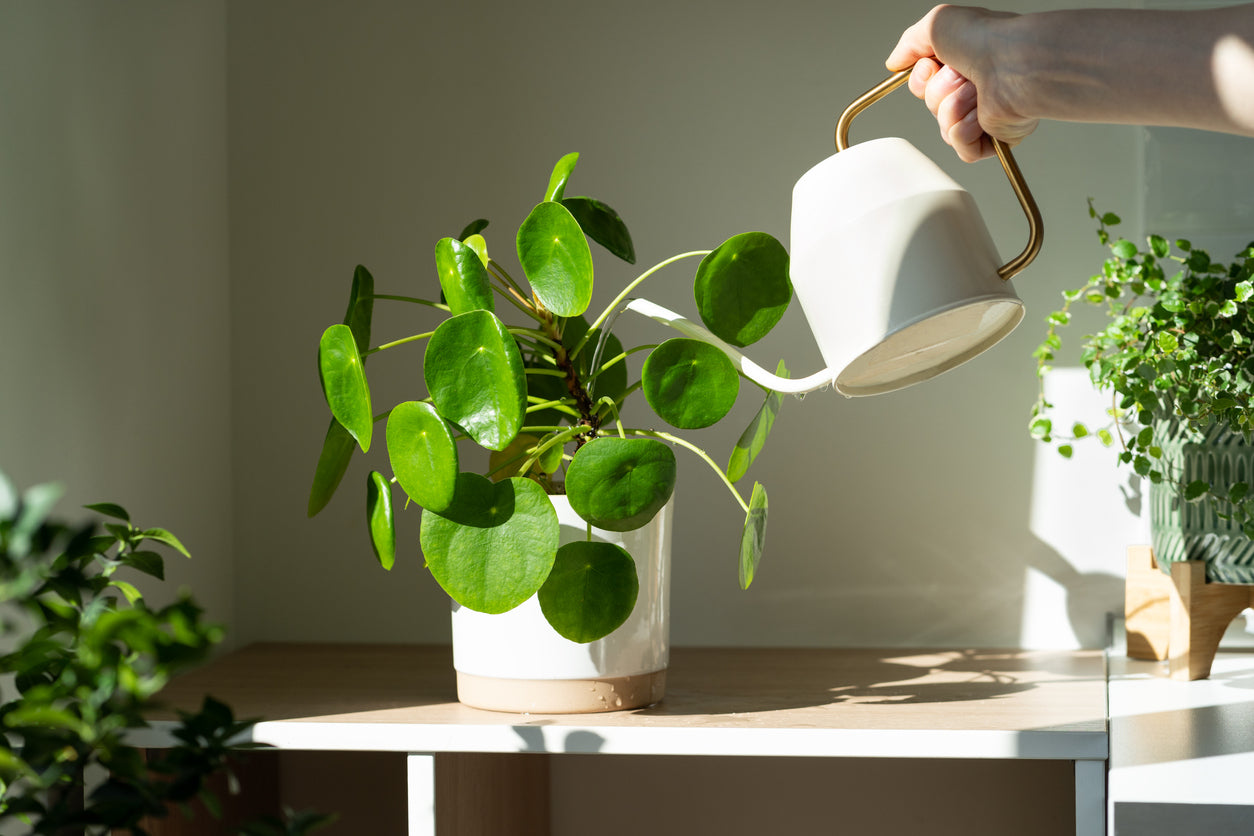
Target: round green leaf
x,y
423,454
474,374
742,288
555,258
689,384
463,278
753,539
344,383
379,519
619,484
494,546
591,590
603,225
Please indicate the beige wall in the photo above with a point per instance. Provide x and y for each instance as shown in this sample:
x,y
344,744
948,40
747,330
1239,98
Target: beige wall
x,y
114,305
363,132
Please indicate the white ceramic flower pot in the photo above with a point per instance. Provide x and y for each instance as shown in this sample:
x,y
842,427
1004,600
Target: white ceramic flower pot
x,y
516,662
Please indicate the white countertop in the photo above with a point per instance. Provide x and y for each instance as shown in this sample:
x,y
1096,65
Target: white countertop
x,y
1181,753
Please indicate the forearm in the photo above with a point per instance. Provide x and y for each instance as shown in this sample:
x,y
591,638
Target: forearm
x,y
1185,68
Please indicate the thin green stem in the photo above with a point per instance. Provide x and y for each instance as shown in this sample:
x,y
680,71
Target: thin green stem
x,y
545,372
394,343
507,294
673,439
559,405
618,421
618,300
413,299
558,439
535,335
497,270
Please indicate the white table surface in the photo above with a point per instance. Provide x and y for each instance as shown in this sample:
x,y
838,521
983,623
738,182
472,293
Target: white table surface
x,y
1182,753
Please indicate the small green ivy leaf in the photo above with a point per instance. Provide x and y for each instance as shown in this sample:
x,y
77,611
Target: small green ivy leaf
x,y
1227,309
1238,491
1123,248
1244,290
1040,428
1167,342
1196,489
1158,245
1078,430
379,519
590,592
1065,450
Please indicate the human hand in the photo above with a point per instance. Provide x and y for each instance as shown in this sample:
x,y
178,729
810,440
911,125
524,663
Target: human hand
x,y
962,76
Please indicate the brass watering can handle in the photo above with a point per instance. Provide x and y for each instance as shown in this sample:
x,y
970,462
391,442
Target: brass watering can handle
x,y
1036,227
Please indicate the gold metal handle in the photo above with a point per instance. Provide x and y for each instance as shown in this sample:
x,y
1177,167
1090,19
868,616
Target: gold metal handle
x,y
1036,226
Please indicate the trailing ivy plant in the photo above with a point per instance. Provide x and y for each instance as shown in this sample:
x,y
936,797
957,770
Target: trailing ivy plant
x,y
1176,353
545,398
84,657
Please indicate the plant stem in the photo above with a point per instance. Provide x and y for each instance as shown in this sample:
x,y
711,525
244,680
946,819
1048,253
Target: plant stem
x,y
618,300
673,439
394,343
559,439
413,299
560,405
497,270
535,335
517,301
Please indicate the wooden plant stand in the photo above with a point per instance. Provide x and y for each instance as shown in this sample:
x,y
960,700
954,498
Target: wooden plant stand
x,y
1178,617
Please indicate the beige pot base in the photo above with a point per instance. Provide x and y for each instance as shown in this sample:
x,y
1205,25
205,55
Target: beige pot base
x,y
561,696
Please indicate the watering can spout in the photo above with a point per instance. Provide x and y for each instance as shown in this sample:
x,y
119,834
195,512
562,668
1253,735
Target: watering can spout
x,y
743,364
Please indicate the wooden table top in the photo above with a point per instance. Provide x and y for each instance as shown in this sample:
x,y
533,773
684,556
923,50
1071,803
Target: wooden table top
x,y
758,701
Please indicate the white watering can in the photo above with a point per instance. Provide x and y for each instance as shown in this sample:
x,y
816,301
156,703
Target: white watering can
x,y
895,270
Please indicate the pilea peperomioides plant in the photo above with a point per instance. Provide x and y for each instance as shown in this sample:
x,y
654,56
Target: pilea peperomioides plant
x,y
545,399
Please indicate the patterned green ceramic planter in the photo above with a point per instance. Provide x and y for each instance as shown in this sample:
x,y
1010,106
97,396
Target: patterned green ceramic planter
x,y
1182,530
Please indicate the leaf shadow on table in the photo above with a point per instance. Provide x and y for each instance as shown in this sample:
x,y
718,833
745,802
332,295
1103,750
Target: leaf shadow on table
x,y
784,680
